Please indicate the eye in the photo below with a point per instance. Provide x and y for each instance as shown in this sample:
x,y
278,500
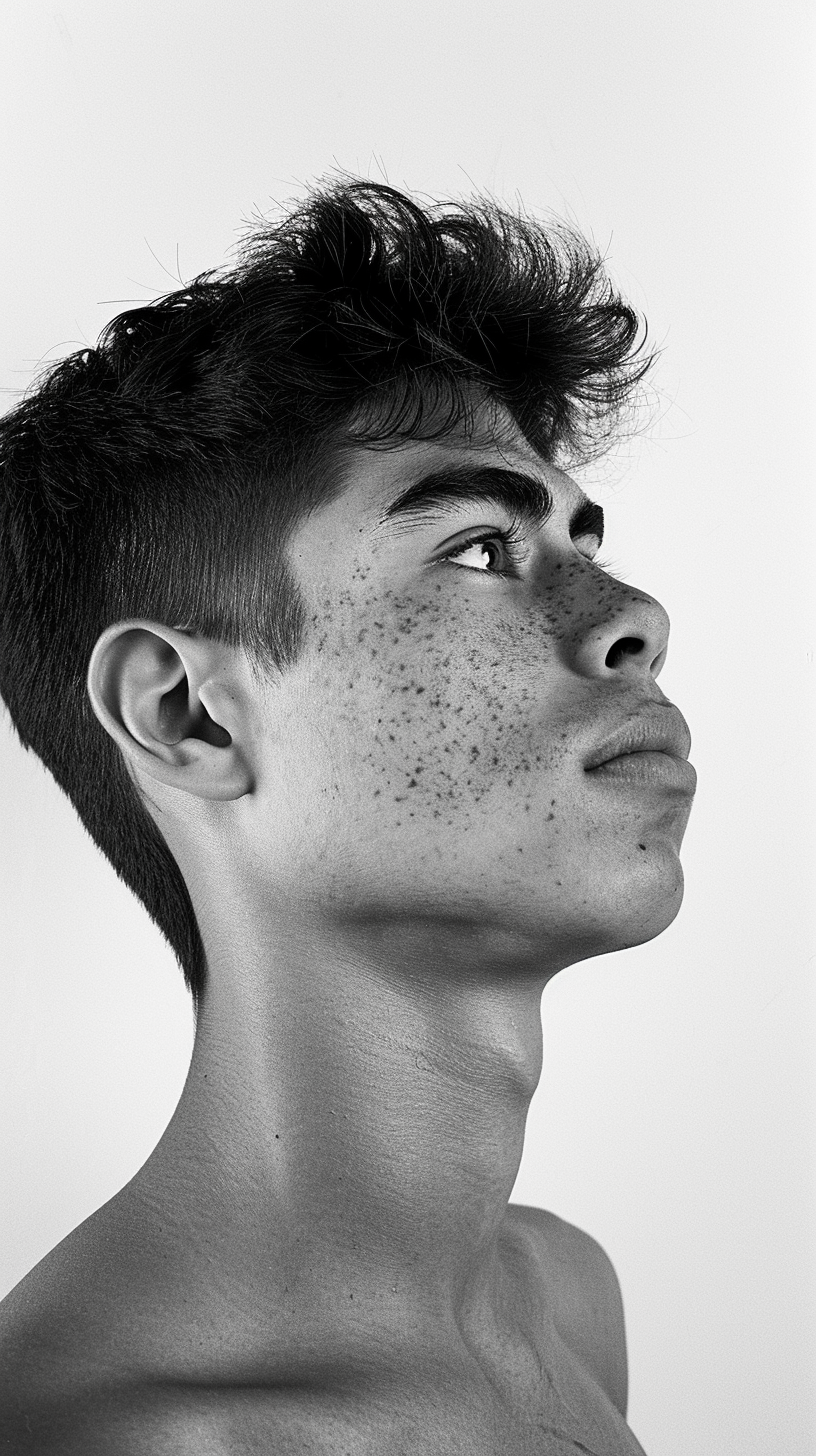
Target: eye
x,y
589,547
483,555
491,553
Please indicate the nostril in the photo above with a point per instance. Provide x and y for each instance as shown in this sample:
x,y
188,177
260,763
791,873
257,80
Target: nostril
x,y
624,647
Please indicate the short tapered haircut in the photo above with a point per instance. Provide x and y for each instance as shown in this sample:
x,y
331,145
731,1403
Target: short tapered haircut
x,y
161,474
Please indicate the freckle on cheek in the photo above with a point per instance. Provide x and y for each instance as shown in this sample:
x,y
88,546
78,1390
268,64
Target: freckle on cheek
x,y
457,690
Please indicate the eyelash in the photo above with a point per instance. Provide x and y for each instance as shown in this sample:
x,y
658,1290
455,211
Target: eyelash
x,y
512,538
608,567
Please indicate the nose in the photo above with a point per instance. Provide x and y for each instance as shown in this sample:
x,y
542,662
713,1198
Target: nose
x,y
623,633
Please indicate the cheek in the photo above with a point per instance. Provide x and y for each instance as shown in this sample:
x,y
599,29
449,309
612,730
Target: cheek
x,y
440,716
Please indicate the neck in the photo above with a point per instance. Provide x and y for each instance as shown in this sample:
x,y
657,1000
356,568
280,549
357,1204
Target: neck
x,y
355,1111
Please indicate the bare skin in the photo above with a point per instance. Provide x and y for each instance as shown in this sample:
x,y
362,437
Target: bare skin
x,y
391,849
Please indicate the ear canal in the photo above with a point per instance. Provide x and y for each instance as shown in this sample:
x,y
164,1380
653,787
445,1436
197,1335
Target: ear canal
x,y
211,731
179,721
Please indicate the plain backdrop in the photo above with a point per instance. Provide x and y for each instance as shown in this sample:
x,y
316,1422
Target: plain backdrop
x,y
675,1115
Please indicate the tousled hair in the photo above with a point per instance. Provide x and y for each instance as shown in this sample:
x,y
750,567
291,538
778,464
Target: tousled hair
x,y
161,474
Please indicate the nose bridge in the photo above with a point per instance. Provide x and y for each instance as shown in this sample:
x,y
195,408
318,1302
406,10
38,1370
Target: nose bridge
x,y
609,627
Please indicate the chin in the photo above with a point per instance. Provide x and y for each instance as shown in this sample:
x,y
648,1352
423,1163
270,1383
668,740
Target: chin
x,y
634,905
651,903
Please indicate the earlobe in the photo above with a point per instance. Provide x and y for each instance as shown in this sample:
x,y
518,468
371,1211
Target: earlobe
x,y
161,695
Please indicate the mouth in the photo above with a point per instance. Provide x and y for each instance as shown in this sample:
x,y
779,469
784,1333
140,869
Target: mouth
x,y
651,749
650,768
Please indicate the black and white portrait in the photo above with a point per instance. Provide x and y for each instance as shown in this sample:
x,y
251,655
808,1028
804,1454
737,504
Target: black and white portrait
x,y
406,656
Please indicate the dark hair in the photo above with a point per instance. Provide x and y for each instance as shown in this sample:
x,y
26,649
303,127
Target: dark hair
x,y
160,474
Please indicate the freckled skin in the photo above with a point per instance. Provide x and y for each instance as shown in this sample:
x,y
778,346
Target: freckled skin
x,y
439,717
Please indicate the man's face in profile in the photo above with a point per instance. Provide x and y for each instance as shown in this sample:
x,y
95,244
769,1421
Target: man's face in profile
x,y
427,755
460,778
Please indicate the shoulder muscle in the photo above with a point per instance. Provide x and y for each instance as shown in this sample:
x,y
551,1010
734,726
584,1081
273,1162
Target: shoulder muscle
x,y
586,1299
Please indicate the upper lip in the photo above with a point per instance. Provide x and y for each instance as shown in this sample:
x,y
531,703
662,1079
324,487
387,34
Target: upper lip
x,y
653,730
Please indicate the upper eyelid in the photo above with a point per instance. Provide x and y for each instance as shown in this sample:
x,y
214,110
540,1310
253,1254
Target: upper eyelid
x,y
518,529
504,517
514,530
512,539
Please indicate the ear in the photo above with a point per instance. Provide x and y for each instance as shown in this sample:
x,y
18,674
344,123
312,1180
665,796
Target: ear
x,y
176,705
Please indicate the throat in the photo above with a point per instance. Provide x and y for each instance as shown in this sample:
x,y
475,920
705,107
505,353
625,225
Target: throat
x,y
363,1132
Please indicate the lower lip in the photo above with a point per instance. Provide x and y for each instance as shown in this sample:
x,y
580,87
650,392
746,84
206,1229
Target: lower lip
x,y
655,770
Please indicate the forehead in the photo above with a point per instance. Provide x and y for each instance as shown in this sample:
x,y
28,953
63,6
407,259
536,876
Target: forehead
x,y
371,477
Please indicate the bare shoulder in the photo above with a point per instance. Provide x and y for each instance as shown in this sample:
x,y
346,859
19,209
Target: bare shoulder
x,y
74,1379
100,1357
584,1294
45,1374
74,1392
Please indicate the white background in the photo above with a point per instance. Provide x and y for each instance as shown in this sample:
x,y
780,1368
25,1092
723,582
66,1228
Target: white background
x,y
675,1115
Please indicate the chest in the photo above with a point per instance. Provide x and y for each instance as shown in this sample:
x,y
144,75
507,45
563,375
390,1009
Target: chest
x,y
545,1405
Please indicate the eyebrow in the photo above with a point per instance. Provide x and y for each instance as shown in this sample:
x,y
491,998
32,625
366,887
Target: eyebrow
x,y
520,494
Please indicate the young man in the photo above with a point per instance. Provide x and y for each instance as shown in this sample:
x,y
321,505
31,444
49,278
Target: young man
x,y
302,610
